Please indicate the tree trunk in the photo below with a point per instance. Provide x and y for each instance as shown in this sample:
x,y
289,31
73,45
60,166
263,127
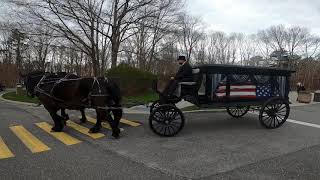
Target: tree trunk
x,y
114,54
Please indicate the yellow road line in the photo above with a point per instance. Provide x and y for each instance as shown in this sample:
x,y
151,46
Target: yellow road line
x,y
124,121
33,143
4,150
131,123
61,136
103,124
84,130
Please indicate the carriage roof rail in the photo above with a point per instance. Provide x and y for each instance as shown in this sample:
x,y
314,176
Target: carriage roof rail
x,y
234,69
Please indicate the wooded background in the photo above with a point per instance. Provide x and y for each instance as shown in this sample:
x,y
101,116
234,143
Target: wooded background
x,y
88,37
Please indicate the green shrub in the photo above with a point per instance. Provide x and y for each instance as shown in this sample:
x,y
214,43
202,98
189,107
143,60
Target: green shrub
x,y
132,81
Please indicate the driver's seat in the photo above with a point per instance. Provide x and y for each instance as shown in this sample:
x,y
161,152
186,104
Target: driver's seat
x,y
189,90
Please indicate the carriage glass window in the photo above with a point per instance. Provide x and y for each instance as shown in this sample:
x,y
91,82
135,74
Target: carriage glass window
x,y
202,90
246,87
235,86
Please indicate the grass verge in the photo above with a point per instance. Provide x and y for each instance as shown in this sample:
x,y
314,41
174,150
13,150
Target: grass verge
x,y
23,98
129,101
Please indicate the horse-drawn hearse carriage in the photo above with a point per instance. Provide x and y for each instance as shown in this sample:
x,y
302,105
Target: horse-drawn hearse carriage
x,y
237,88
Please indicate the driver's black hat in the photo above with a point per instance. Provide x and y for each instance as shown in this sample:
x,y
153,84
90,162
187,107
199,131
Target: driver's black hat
x,y
181,58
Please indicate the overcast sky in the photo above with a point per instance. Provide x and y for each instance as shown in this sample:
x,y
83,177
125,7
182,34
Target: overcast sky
x,y
249,16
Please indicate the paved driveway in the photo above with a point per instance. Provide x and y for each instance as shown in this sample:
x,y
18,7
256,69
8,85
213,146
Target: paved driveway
x,y
211,146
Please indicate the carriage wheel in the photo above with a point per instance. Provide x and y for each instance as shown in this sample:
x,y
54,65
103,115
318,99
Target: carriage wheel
x,y
154,105
166,120
274,113
238,111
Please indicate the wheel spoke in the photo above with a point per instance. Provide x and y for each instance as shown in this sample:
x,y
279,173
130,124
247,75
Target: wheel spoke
x,y
274,122
270,122
168,128
283,110
157,127
282,107
165,130
278,121
281,115
175,124
177,119
174,129
282,119
266,120
161,130
268,108
173,115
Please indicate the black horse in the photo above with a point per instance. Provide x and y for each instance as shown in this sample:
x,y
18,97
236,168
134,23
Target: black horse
x,y
51,78
75,93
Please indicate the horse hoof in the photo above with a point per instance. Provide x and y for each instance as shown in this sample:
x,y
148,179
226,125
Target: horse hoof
x,y
56,129
64,122
66,117
94,130
116,135
83,120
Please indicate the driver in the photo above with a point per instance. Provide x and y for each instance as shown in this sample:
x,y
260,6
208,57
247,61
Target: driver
x,y
184,74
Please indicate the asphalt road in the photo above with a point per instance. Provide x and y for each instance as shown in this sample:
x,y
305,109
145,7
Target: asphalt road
x,y
211,146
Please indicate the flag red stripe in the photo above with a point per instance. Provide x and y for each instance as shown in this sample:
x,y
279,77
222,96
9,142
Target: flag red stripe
x,y
248,96
237,85
236,90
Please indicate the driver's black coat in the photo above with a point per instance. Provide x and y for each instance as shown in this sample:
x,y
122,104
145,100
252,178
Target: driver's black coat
x,y
184,73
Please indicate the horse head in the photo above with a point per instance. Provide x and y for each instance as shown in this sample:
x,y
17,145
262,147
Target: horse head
x,y
31,80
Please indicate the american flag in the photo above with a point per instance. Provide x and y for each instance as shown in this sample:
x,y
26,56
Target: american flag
x,y
247,91
237,91
264,90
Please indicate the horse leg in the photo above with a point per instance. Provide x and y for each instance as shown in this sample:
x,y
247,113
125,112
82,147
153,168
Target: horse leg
x,y
117,114
84,118
58,121
114,123
64,115
97,127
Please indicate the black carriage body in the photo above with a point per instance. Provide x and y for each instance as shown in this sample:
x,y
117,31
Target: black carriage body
x,y
263,83
238,88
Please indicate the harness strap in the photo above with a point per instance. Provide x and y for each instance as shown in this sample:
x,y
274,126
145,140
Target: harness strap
x,y
89,105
